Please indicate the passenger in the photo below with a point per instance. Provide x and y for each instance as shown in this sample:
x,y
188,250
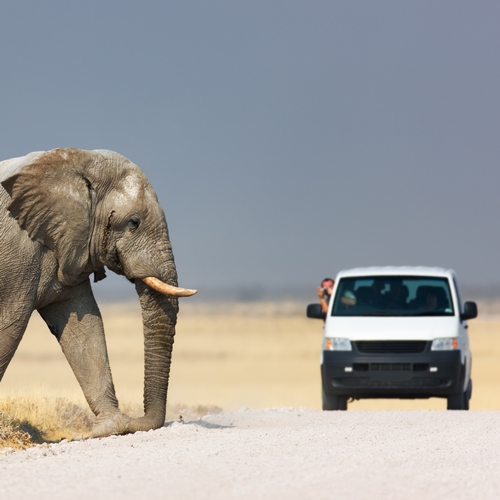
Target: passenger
x,y
418,302
378,298
397,295
431,301
325,293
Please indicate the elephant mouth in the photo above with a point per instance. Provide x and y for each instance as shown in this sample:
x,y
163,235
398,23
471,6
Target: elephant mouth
x,y
113,263
151,281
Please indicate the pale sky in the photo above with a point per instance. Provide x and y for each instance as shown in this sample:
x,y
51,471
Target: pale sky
x,y
286,140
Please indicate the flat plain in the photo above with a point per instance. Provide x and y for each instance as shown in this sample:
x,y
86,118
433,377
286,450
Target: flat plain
x,y
229,356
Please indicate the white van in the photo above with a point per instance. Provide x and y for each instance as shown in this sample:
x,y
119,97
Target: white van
x,y
395,332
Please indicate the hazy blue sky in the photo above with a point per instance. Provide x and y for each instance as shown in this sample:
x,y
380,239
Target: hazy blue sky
x,y
286,140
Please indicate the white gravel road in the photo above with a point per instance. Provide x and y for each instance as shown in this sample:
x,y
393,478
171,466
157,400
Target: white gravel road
x,y
286,453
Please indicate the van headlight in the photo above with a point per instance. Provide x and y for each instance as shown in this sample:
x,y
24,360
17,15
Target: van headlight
x,y
337,344
447,344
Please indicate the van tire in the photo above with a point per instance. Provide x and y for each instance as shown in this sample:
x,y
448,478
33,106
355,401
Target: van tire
x,y
460,400
333,403
456,401
468,394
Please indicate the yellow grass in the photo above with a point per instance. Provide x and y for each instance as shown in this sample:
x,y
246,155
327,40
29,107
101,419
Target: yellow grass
x,y
36,417
226,356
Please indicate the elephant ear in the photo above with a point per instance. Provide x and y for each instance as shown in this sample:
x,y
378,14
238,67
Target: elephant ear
x,y
54,202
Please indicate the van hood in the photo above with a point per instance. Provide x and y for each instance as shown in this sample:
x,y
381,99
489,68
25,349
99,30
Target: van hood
x,y
391,328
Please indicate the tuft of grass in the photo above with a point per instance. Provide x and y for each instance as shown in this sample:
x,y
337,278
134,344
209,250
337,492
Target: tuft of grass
x,y
11,435
34,419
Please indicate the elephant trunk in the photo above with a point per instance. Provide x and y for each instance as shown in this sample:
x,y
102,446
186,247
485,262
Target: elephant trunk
x,y
159,314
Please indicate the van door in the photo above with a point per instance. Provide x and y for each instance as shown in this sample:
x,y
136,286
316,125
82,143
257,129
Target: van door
x,y
463,332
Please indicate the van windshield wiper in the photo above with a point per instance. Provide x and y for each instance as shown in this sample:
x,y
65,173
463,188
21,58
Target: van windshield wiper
x,y
432,313
382,313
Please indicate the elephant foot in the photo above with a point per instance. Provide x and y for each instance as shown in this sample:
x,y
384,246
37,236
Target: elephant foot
x,y
110,424
146,423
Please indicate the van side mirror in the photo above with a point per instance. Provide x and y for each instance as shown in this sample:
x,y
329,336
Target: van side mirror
x,y
470,311
315,311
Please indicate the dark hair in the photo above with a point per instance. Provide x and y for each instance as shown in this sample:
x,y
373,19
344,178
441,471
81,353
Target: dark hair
x,y
328,279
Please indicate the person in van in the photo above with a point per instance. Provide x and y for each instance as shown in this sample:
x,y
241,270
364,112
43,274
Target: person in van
x,y
397,296
429,298
435,299
325,293
378,286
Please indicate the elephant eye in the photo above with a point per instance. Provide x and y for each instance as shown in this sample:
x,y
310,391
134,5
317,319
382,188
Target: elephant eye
x,y
133,223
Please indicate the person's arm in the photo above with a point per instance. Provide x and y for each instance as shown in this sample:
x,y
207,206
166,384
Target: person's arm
x,y
323,302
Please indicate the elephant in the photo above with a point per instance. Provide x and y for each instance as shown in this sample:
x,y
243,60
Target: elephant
x,y
66,214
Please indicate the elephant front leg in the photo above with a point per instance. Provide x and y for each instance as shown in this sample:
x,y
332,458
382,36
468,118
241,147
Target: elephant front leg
x,y
77,324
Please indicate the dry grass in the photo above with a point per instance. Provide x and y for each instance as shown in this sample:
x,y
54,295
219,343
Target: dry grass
x,y
225,356
12,435
35,418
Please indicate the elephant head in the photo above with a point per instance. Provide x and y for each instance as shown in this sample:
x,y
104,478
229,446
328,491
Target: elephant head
x,y
96,209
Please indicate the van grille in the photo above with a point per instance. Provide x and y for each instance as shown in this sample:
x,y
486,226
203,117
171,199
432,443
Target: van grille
x,y
391,346
390,367
387,384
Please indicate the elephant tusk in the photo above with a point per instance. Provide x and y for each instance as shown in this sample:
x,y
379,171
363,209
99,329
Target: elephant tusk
x,y
165,289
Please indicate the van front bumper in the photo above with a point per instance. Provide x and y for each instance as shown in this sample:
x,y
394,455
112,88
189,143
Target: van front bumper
x,y
392,375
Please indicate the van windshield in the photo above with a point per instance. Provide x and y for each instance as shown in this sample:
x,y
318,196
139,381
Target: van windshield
x,y
393,296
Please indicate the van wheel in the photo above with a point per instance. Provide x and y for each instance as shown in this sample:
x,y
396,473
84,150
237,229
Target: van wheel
x,y
331,403
468,394
460,400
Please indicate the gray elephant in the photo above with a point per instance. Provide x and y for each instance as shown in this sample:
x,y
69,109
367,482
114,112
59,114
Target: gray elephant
x,y
68,213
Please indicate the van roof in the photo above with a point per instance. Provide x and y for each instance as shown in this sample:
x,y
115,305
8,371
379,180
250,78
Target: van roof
x,y
396,271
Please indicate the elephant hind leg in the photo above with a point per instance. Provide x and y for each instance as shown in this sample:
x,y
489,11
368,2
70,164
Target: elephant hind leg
x,y
77,324
12,328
